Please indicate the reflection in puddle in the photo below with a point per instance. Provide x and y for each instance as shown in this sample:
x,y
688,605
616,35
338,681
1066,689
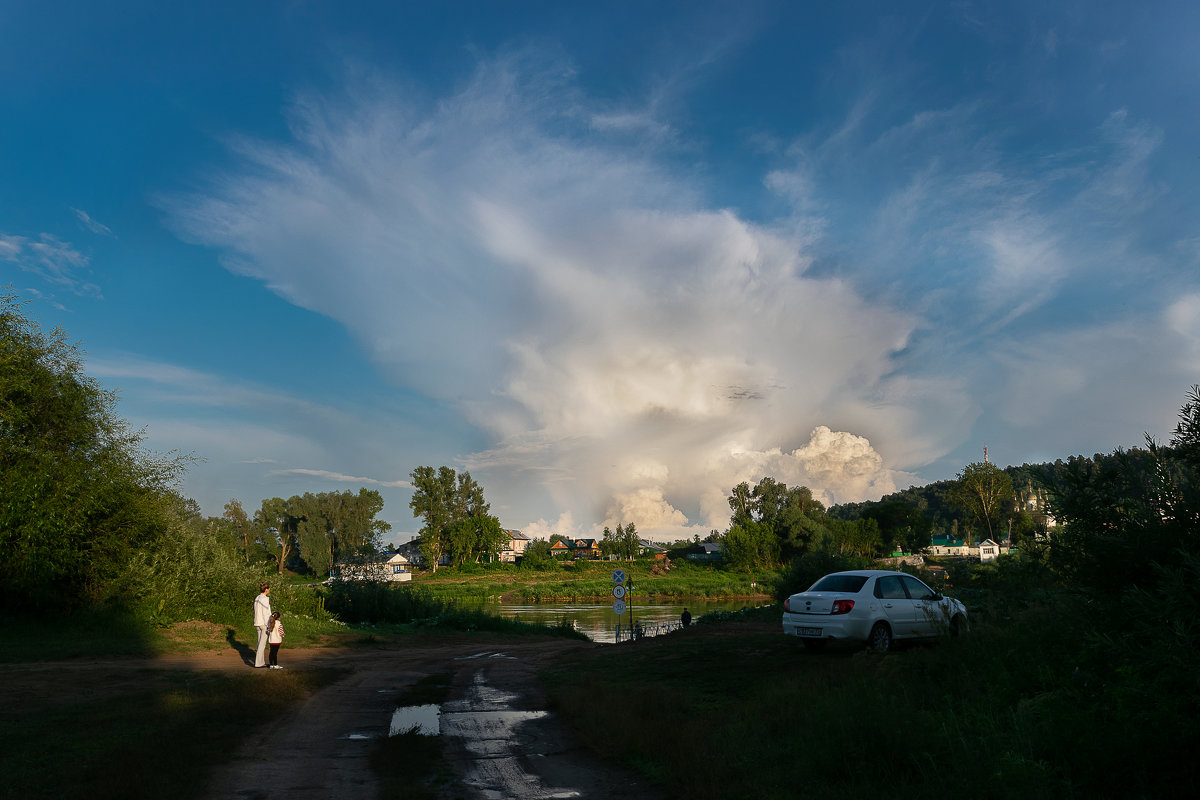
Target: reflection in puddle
x,y
501,742
425,720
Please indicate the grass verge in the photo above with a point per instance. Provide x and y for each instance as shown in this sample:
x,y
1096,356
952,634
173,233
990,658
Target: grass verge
x,y
1024,710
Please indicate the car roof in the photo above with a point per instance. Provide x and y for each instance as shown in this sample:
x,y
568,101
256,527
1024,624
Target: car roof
x,y
871,573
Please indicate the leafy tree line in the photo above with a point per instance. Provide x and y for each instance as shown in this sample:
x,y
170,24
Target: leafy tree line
x,y
309,532
1127,519
1124,519
622,543
89,517
79,495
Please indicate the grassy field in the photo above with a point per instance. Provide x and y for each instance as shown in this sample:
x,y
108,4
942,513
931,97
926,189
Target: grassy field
x,y
1017,710
591,580
1053,695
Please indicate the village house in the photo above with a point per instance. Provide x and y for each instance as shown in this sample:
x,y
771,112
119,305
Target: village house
x,y
384,567
647,548
515,548
943,545
990,551
576,548
412,551
709,551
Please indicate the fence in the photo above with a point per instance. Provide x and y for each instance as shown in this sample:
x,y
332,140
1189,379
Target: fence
x,y
644,629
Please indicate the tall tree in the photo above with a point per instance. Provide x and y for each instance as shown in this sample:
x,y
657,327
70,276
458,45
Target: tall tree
x,y
277,525
1187,432
984,490
241,525
608,541
792,516
741,502
629,544
457,519
432,500
78,494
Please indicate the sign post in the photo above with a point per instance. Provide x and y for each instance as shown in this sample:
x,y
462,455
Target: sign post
x,y
619,592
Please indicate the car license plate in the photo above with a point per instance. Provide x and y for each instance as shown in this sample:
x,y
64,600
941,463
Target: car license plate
x,y
808,631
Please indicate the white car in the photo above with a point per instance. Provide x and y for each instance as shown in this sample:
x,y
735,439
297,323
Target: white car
x,y
872,606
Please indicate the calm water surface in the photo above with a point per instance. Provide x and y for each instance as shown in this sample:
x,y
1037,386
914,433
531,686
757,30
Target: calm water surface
x,y
597,620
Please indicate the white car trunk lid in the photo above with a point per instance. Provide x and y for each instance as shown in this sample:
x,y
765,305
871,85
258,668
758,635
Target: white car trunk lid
x,y
814,603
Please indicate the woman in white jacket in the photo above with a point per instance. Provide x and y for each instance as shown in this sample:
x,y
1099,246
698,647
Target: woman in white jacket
x,y
262,616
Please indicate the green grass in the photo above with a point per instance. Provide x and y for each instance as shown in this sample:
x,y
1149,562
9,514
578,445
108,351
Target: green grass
x,y
591,580
160,740
116,634
97,634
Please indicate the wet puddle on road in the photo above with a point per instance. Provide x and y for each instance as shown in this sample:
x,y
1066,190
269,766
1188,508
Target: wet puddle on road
x,y
416,719
490,730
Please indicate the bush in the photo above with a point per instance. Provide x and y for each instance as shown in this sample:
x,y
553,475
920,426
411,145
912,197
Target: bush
x,y
807,569
355,602
190,576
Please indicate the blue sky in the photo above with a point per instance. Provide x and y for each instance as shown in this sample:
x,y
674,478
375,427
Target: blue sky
x,y
612,258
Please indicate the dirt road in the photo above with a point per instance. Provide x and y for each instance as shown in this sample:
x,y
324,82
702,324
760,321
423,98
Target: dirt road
x,y
499,739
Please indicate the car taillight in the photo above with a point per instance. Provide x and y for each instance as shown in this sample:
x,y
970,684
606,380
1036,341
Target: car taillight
x,y
787,604
842,606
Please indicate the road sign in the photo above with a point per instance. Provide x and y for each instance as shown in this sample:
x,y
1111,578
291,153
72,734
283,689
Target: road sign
x,y
618,607
619,576
618,591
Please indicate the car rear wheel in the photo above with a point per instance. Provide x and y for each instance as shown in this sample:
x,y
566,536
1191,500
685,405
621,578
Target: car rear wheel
x,y
880,640
815,644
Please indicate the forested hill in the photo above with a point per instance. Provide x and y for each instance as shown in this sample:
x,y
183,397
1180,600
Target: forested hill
x,y
913,515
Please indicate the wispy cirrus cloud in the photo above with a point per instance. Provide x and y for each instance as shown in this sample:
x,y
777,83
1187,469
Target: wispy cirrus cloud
x,y
92,225
249,435
337,477
57,262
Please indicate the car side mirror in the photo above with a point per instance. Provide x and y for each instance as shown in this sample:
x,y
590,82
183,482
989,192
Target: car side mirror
x,y
935,597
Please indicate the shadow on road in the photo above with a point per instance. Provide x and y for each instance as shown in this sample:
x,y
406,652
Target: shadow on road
x,y
243,650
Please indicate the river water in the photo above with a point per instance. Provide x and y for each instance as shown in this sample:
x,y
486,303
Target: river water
x,y
598,621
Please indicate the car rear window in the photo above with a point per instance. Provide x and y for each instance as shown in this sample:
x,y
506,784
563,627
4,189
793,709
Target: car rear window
x,y
839,583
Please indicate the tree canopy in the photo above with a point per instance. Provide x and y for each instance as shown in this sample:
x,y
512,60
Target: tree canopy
x,y
771,523
320,529
985,491
457,519
78,493
622,543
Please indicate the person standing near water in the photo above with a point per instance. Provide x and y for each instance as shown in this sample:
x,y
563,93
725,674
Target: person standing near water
x,y
686,618
262,616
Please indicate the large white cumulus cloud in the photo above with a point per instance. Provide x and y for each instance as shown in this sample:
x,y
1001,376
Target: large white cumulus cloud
x,y
628,349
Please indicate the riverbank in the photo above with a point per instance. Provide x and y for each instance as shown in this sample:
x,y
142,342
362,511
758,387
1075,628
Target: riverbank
x,y
591,581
